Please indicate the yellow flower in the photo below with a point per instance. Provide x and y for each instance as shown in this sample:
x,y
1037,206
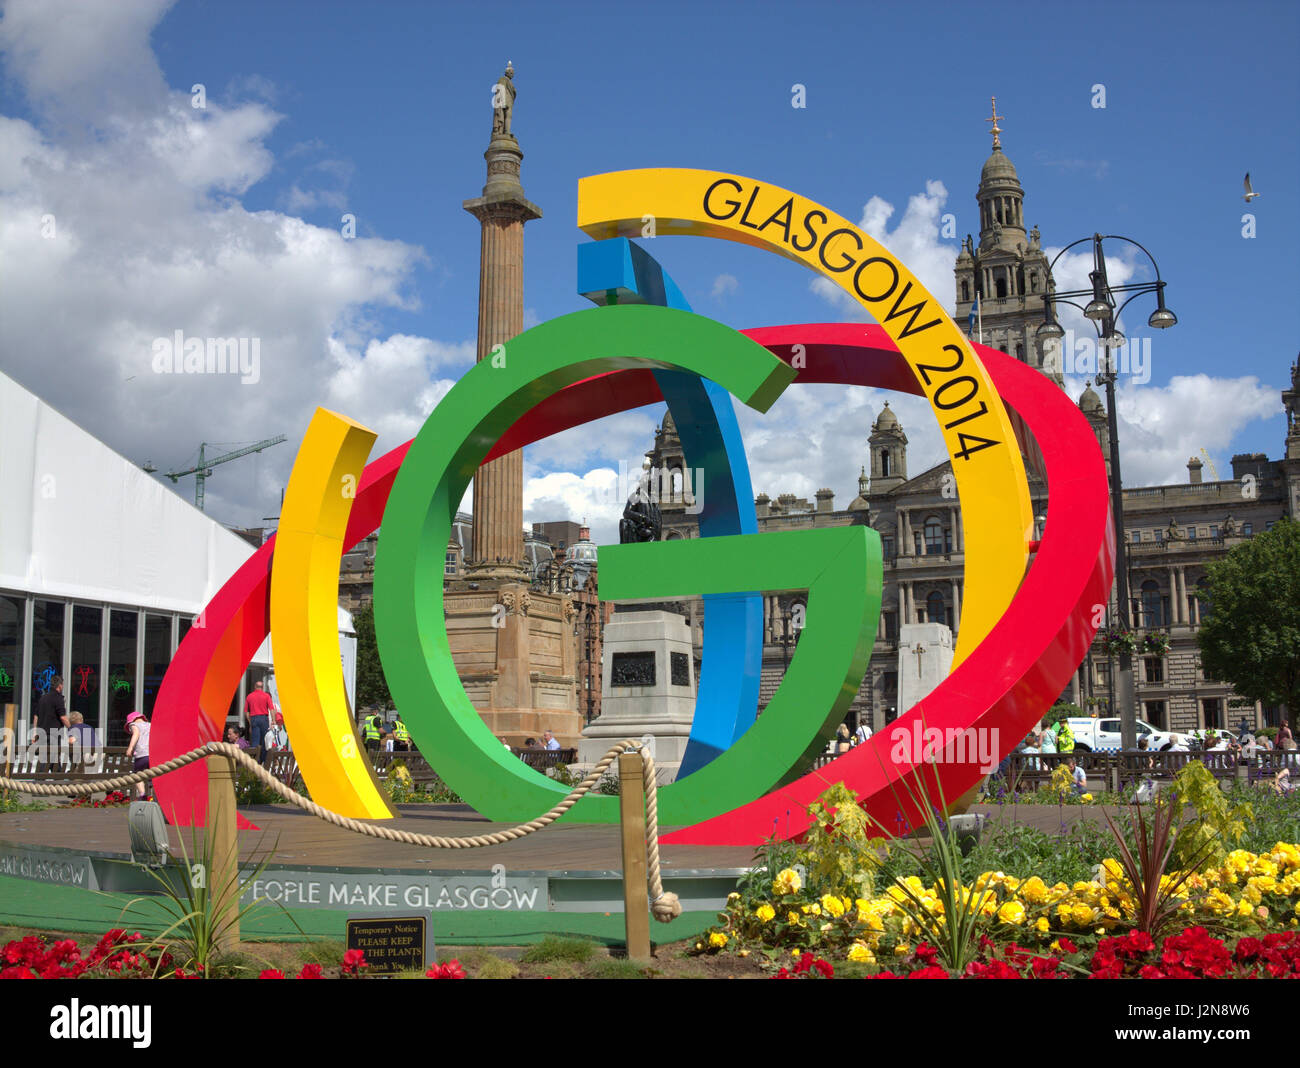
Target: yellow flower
x,y
742,953
1034,890
813,909
717,939
861,952
1042,925
733,896
902,949
1086,798
787,882
765,913
1012,912
795,953
833,905
1083,915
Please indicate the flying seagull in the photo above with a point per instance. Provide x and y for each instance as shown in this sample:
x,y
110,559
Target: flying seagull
x,y
1250,192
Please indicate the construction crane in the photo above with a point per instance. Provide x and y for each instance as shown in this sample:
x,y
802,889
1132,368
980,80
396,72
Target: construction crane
x,y
205,466
1214,474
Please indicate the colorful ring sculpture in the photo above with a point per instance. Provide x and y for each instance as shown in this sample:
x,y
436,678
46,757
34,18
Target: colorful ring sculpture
x,y
1020,640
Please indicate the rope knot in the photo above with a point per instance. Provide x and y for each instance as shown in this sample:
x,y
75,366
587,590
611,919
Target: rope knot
x,y
666,907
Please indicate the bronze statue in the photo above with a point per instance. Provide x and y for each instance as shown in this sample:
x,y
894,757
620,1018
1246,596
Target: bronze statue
x,y
641,521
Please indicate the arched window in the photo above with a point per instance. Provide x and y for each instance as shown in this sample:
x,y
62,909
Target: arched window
x,y
885,465
965,292
1033,281
1155,610
935,610
933,536
1001,284
1020,353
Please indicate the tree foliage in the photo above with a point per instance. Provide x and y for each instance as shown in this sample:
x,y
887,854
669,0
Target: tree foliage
x,y
372,687
1250,634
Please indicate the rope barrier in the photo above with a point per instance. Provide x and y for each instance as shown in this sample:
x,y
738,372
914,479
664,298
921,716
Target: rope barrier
x,y
664,905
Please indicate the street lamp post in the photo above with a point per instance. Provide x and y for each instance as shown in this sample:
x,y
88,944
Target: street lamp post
x,y
1102,311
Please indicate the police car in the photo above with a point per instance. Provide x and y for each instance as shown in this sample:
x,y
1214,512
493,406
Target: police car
x,y
1102,734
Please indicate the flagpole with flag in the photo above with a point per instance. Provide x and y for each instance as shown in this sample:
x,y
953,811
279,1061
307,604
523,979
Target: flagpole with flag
x,y
976,314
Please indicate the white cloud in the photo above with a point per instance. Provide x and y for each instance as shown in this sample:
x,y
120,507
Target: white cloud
x,y
1161,427
150,237
724,286
915,241
593,497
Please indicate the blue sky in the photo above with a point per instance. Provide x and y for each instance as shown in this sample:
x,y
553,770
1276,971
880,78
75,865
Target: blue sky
x,y
226,220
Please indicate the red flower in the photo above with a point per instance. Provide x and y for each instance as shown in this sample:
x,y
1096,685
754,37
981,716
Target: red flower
x,y
1067,946
353,960
450,970
271,973
927,954
929,973
310,971
1045,967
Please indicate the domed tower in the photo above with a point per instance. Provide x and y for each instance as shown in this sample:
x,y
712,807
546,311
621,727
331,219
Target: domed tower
x,y
1008,270
888,452
1095,412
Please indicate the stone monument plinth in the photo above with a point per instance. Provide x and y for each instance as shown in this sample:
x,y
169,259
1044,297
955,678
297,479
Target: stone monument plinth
x,y
647,688
924,660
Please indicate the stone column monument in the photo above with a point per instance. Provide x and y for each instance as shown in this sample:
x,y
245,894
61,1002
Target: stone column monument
x,y
514,647
497,550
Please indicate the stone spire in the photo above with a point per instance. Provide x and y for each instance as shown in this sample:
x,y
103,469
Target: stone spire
x,y
497,547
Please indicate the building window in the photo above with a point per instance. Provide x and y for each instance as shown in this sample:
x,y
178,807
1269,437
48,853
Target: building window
x,y
11,648
885,466
965,292
1212,712
933,536
121,679
1214,531
1155,713
1137,536
1155,669
82,689
935,610
1247,529
1273,716
889,682
887,546
157,655
891,626
449,568
1155,609
47,646
1269,525
1191,533
1001,284
1103,672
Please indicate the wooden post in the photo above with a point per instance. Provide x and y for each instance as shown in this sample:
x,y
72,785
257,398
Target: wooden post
x,y
636,900
222,847
11,738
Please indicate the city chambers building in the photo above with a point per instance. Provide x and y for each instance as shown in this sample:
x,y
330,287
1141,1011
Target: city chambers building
x,y
1172,533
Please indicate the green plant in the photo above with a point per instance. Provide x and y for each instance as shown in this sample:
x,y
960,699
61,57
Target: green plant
x,y
615,968
1142,874
561,774
949,918
250,790
496,968
203,916
1218,824
608,785
552,948
328,954
839,856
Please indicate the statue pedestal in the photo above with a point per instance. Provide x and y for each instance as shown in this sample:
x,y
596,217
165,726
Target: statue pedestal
x,y
648,688
515,654
924,660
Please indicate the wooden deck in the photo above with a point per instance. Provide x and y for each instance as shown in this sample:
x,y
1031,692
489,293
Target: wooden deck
x,y
301,840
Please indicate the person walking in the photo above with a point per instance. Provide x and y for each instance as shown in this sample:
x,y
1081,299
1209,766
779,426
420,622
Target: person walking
x,y
138,747
51,713
258,707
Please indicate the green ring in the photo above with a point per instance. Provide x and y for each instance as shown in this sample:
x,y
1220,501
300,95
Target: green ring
x,y
840,567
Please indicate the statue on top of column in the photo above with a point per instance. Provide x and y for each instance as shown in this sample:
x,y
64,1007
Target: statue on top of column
x,y
503,102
